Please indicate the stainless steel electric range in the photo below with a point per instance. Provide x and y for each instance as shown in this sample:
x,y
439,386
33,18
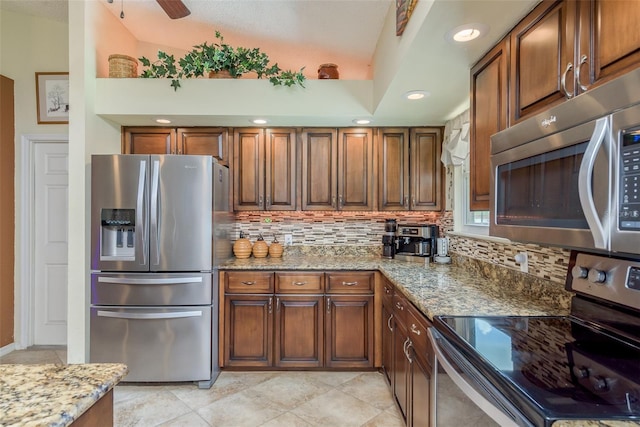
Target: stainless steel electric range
x,y
532,371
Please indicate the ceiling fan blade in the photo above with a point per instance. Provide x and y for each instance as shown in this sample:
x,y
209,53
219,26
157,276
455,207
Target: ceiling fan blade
x,y
174,8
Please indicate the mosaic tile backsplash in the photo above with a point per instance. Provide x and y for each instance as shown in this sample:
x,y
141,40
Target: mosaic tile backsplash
x,y
360,234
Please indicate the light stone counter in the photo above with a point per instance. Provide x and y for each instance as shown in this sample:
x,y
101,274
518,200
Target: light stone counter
x,y
53,395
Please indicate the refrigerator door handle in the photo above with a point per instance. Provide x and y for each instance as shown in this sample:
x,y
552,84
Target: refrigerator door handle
x,y
139,208
141,281
155,232
149,316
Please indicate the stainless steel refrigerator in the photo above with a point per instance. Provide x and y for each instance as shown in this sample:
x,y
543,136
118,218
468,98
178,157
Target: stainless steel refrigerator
x,y
158,229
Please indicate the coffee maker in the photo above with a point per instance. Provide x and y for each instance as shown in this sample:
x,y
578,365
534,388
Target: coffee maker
x,y
389,238
416,242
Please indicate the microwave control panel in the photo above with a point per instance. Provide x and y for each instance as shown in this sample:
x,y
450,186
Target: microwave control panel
x,y
629,191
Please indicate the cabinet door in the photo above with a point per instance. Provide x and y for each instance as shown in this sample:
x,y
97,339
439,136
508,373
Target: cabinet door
x,y
355,169
387,341
349,331
280,170
609,40
148,140
393,169
419,382
426,170
489,114
248,330
542,58
399,377
319,169
299,337
204,141
248,170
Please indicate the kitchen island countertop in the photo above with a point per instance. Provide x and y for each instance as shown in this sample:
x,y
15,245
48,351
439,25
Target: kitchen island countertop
x,y
53,394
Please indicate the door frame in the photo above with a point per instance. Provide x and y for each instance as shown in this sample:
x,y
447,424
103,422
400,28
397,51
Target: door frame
x,y
24,333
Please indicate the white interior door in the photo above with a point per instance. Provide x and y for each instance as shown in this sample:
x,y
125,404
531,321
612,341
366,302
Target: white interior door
x,y
51,167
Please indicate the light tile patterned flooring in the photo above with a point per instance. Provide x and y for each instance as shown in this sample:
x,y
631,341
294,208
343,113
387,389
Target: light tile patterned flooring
x,y
240,399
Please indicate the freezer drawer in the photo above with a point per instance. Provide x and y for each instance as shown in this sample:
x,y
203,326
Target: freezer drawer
x,y
158,344
148,289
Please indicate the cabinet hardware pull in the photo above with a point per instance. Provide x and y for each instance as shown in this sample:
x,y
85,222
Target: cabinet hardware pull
x,y
405,203
399,306
583,60
270,305
349,283
413,201
278,304
563,81
410,345
248,282
389,322
333,202
341,201
260,200
405,345
387,290
299,283
415,329
268,202
328,304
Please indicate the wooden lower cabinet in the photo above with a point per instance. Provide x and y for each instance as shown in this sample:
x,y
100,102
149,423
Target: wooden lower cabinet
x,y
349,329
289,320
411,360
248,330
299,331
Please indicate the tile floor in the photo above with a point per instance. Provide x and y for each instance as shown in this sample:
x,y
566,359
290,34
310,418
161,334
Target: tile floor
x,y
248,398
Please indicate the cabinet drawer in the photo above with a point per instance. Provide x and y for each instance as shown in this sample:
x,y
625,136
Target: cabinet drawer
x,y
417,325
299,282
350,283
248,282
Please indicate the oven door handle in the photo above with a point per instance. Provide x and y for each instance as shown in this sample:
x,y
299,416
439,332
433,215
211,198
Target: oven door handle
x,y
483,403
585,186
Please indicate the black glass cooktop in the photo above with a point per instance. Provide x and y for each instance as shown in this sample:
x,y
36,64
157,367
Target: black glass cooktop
x,y
551,367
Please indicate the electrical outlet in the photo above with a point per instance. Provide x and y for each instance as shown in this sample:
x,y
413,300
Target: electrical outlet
x,y
523,259
288,239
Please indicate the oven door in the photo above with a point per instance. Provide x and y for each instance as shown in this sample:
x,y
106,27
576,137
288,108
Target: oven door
x,y
555,189
463,396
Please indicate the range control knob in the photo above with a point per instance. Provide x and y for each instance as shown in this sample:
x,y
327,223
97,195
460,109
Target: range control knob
x,y
597,276
599,383
579,272
581,372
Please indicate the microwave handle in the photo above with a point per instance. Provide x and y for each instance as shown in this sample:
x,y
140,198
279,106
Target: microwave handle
x,y
585,188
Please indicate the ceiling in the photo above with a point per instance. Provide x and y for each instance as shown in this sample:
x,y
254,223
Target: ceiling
x,y
297,33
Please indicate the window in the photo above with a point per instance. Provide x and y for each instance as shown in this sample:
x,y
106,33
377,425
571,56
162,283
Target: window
x,y
465,220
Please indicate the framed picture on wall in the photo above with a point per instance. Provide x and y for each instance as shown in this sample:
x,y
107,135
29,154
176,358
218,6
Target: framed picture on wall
x,y
52,98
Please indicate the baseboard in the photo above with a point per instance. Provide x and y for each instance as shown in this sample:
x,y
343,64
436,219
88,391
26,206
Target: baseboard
x,y
7,349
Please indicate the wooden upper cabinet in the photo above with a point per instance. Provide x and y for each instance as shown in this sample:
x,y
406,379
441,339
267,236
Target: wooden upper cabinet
x,y
148,140
355,169
319,169
426,169
489,114
204,141
248,169
609,44
280,170
542,58
393,169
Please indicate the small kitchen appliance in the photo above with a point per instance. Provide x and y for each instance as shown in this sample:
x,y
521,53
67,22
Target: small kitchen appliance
x,y
416,242
389,238
536,370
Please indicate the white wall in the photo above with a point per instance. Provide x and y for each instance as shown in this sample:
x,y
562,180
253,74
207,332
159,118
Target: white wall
x,y
28,45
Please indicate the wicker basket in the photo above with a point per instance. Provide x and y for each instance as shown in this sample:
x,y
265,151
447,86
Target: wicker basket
x,y
122,66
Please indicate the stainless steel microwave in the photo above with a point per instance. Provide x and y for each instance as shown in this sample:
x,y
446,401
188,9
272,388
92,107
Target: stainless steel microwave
x,y
570,177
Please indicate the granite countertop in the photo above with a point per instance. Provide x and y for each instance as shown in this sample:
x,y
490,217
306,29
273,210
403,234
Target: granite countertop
x,y
438,289
53,394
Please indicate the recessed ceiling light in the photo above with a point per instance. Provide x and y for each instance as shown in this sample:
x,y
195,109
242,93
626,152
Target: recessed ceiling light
x,y
362,121
259,121
416,94
467,32
163,121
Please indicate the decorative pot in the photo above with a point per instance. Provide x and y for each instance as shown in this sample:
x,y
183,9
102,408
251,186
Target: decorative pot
x,y
328,71
275,249
222,74
260,248
242,247
122,66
